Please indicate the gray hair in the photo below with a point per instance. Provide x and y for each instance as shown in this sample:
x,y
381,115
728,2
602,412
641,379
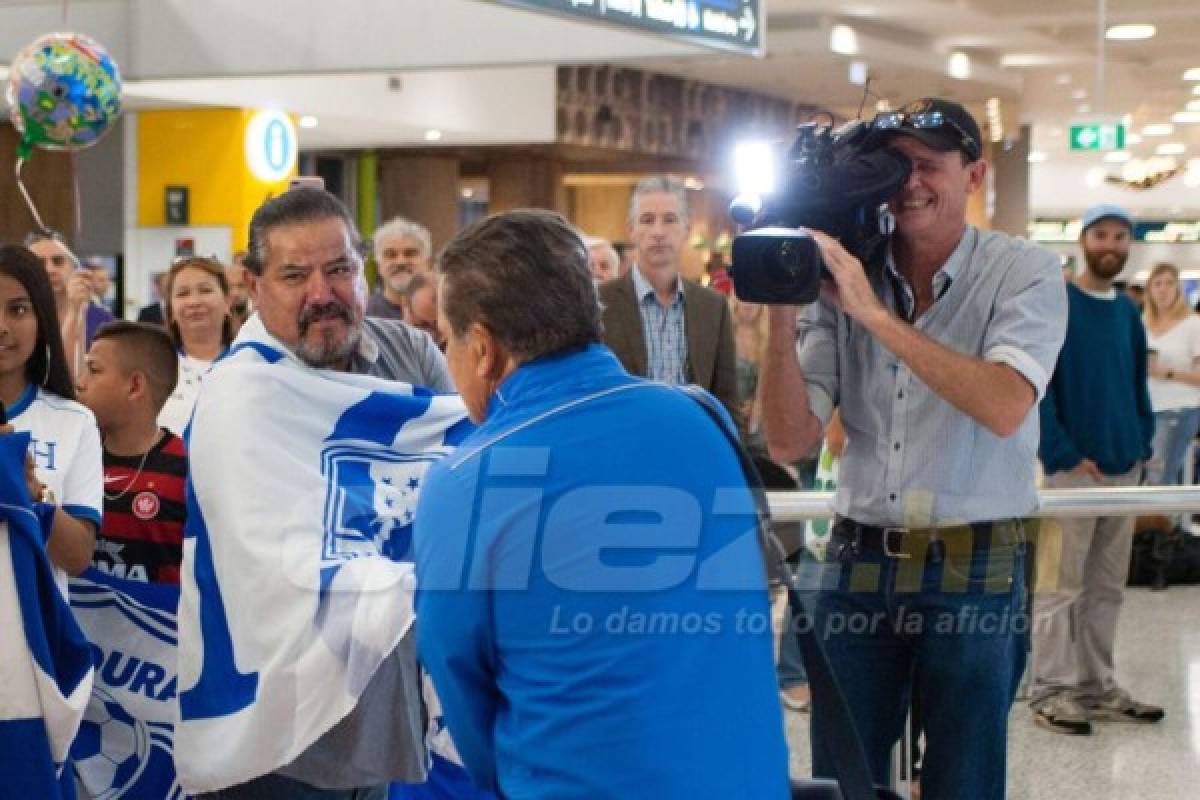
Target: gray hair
x,y
399,226
290,208
659,184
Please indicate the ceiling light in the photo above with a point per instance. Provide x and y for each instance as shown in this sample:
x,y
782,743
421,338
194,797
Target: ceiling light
x,y
1025,60
1036,157
1133,138
883,105
309,121
468,193
1129,33
1083,108
858,73
959,66
1118,156
1193,105
843,40
1158,129
1063,78
1192,74
1171,149
433,135
1196,89
1079,94
1185,117
694,184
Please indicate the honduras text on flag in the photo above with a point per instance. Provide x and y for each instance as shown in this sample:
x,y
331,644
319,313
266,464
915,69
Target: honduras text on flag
x,y
45,663
125,745
297,581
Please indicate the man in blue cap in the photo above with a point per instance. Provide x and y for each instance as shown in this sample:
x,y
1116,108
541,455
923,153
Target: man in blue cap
x,y
1097,425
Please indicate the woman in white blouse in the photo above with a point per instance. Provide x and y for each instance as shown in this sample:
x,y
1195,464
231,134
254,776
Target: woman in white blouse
x,y
199,323
1173,336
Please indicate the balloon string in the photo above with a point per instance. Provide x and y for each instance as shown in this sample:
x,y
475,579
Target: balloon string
x,y
37,218
78,197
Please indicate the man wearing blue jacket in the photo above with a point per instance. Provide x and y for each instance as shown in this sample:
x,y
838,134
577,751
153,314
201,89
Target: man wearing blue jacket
x,y
1097,425
592,599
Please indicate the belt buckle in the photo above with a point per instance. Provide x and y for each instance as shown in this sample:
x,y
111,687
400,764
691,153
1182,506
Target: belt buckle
x,y
887,543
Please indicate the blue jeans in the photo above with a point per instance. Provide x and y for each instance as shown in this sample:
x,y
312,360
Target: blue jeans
x,y
954,615
278,787
791,665
1173,432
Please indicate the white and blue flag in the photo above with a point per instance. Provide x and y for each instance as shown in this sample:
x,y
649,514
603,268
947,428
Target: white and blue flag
x,y
125,746
45,662
297,580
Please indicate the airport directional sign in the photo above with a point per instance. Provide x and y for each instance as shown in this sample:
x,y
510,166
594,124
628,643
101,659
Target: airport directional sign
x,y
725,24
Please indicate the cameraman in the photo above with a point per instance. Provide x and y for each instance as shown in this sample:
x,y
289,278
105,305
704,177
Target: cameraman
x,y
937,363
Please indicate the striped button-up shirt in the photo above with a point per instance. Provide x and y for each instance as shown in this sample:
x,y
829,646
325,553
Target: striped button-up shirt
x,y
664,330
911,458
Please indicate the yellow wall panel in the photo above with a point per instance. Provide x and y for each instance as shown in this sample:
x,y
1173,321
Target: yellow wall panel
x,y
204,150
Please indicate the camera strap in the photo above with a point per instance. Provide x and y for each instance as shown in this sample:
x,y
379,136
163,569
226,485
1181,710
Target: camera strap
x,y
842,742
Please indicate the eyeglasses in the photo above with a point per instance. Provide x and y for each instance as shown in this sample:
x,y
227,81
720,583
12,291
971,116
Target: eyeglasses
x,y
927,120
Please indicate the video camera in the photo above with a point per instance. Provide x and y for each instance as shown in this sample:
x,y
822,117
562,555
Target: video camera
x,y
837,182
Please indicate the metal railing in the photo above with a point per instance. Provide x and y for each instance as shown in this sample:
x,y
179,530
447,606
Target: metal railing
x,y
801,505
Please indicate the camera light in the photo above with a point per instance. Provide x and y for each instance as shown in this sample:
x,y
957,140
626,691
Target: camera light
x,y
843,40
754,166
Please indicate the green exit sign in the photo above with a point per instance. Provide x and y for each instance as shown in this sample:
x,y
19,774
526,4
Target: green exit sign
x,y
1098,136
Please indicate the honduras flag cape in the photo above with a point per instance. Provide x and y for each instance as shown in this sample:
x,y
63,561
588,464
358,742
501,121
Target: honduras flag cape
x,y
45,663
125,745
297,580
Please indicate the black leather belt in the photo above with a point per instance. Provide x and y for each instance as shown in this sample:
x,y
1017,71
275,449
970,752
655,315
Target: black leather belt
x,y
899,542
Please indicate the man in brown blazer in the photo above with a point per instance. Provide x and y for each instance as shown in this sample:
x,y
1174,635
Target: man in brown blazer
x,y
660,325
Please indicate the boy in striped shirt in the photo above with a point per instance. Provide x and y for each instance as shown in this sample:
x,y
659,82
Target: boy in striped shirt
x,y
130,371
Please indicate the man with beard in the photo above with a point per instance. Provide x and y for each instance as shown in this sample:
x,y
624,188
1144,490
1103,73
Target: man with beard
x,y
239,293
1097,425
403,248
305,274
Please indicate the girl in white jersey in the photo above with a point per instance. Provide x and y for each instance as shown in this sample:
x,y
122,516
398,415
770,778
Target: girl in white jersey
x,y
39,398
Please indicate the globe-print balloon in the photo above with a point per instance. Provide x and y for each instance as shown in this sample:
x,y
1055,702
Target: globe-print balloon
x,y
64,93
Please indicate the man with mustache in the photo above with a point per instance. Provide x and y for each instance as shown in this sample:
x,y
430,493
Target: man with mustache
x,y
403,250
304,269
1097,425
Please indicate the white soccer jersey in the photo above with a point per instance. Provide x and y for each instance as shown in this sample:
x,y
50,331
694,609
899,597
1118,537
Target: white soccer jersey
x,y
66,451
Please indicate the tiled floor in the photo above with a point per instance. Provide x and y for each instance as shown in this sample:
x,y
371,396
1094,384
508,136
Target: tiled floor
x,y
1158,660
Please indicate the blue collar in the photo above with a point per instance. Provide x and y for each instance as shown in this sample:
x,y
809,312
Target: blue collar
x,y
23,402
560,374
954,264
